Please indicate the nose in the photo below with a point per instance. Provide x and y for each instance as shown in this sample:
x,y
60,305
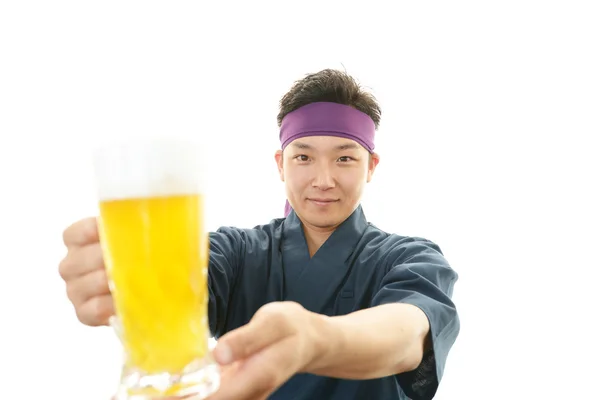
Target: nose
x,y
324,178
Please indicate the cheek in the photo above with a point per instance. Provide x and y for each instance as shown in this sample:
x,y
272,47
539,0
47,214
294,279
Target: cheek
x,y
353,181
294,176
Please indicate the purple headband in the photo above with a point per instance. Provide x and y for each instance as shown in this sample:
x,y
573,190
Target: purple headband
x,y
327,119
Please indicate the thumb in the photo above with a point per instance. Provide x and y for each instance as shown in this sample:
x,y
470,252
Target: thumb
x,y
265,329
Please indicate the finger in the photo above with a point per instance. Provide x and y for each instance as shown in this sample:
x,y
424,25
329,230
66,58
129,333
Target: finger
x,y
261,374
82,232
189,397
267,327
96,311
87,286
81,261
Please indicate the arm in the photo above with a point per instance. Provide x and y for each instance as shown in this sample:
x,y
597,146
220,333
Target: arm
x,y
386,340
420,278
226,254
407,333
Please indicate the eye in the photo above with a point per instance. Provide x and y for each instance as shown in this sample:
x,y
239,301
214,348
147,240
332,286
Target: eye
x,y
345,159
301,157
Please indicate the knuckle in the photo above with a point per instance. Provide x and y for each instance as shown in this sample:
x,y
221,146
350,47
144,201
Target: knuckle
x,y
278,317
64,266
80,231
71,231
273,312
98,310
97,255
81,315
93,256
292,306
280,313
107,308
100,283
70,264
71,292
65,235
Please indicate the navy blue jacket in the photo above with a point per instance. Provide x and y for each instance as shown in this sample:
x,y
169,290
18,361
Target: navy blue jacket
x,y
358,267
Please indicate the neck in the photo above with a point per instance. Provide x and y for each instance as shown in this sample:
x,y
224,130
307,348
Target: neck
x,y
315,237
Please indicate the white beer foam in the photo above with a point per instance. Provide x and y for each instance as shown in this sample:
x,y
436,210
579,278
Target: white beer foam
x,y
148,169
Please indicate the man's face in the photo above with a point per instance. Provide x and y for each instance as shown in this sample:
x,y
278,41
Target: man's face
x,y
324,178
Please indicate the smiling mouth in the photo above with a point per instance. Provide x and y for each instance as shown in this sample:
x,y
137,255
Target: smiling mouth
x,y
322,202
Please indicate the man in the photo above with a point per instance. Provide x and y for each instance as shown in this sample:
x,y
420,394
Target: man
x,y
319,304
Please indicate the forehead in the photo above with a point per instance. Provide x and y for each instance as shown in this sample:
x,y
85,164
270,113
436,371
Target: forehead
x,y
325,143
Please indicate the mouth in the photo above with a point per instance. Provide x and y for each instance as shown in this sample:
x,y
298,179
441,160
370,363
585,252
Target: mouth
x,y
322,202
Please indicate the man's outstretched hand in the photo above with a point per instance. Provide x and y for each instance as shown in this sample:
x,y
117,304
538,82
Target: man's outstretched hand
x,y
281,340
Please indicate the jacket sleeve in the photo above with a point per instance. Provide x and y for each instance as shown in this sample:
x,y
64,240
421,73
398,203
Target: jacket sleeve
x,y
226,257
421,276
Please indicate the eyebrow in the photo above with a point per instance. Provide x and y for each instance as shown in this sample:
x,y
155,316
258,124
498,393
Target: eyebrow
x,y
300,145
346,146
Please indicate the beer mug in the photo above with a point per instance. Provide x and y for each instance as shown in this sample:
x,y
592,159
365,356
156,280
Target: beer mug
x,y
155,247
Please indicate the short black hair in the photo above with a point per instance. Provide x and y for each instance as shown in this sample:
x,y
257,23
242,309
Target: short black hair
x,y
329,85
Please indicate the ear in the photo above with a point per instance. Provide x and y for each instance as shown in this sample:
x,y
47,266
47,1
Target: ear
x,y
373,162
279,161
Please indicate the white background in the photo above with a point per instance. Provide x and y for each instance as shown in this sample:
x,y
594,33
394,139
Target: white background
x,y
489,147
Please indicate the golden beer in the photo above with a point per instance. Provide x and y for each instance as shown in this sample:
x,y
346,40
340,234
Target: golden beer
x,y
155,249
157,266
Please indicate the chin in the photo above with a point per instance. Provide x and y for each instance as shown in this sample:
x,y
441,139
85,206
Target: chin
x,y
323,220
